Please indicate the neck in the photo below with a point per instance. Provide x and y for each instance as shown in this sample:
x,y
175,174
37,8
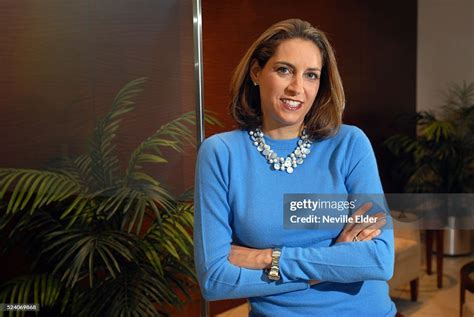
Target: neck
x,y
282,133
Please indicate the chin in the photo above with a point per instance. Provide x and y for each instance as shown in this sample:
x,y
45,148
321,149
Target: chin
x,y
288,122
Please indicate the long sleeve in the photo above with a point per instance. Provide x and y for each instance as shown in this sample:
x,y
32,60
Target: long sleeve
x,y
218,278
350,261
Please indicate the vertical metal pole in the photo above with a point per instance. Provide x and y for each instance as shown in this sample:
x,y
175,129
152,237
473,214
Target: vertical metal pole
x,y
198,71
199,93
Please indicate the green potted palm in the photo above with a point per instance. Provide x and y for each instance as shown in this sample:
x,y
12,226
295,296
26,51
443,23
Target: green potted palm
x,y
103,241
440,158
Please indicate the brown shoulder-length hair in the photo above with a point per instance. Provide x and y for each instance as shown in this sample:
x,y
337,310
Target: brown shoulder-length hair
x,y
325,116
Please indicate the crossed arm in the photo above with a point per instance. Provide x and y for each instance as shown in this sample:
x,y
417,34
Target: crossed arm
x,y
353,232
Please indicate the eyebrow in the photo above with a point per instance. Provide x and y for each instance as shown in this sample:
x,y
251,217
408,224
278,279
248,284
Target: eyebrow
x,y
293,66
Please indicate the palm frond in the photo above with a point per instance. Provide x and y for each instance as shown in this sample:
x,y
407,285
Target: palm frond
x,y
104,163
459,96
133,204
172,134
78,169
438,131
124,295
173,235
187,195
400,144
76,252
34,188
43,289
41,223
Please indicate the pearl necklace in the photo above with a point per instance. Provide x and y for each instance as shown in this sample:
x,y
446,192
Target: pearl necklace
x,y
280,163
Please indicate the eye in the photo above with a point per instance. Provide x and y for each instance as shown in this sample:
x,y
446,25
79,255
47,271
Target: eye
x,y
283,70
312,76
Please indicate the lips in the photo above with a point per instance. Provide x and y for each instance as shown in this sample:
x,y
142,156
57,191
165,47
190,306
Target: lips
x,y
291,105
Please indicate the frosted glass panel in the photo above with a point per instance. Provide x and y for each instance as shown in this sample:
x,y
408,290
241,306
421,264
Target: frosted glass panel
x,y
63,64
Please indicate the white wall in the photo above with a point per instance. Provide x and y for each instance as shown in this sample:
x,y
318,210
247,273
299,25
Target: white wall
x,y
445,52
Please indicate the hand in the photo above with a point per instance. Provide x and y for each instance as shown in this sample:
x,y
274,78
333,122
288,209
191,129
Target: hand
x,y
364,231
249,258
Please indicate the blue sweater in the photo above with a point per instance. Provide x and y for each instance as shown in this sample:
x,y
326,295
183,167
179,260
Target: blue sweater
x,y
239,200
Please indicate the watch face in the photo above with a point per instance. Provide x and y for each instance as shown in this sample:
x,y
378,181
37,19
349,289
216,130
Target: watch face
x,y
273,275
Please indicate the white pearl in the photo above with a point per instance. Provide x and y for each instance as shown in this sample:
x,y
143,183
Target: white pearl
x,y
287,163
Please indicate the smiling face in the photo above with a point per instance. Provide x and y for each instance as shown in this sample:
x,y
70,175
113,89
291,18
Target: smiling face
x,y
288,85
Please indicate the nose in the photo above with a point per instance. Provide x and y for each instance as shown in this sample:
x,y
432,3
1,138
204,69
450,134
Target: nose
x,y
295,87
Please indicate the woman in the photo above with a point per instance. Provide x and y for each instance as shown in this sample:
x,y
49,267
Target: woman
x,y
287,99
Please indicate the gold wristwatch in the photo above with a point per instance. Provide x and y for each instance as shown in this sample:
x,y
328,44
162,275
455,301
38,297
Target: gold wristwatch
x,y
274,272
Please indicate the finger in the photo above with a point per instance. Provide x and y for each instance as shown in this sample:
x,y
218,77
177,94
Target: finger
x,y
377,221
380,215
368,235
366,231
362,210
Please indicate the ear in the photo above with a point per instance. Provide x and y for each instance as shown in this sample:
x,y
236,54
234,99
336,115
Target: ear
x,y
255,70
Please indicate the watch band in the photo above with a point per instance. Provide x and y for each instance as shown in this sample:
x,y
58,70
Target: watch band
x,y
274,272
